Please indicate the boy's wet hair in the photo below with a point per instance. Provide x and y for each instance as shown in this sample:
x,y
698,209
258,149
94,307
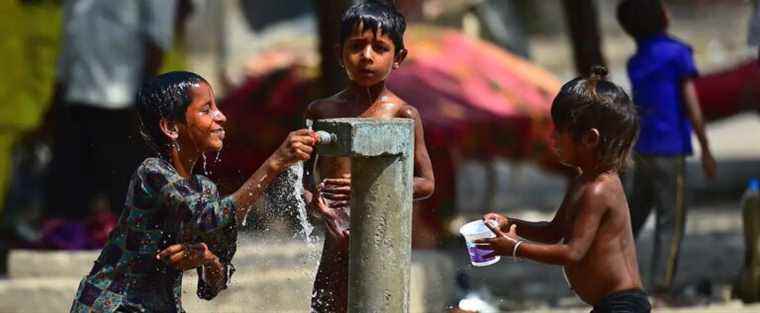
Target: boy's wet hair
x,y
165,96
642,18
379,16
593,102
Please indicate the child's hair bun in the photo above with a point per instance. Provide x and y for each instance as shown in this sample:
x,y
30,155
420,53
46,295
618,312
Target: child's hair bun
x,y
599,72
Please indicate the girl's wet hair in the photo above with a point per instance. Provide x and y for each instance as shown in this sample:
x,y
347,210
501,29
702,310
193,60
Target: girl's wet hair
x,y
165,96
379,16
593,102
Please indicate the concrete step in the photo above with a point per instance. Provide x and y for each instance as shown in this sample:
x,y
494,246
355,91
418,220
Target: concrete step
x,y
269,278
729,307
273,291
43,264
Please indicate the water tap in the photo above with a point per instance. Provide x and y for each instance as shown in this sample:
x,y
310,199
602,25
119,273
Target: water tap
x,y
326,138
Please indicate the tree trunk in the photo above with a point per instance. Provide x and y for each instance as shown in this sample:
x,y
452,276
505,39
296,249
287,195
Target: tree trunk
x,y
329,13
583,22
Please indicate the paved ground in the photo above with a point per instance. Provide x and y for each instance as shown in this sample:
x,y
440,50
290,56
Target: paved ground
x,y
711,260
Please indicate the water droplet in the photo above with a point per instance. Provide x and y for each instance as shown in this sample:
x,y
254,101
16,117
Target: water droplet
x,y
309,123
218,156
286,192
203,156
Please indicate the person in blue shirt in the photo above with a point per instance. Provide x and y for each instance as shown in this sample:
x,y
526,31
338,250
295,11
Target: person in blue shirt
x,y
661,74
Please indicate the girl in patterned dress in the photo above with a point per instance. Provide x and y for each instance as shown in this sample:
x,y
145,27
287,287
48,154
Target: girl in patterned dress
x,y
140,268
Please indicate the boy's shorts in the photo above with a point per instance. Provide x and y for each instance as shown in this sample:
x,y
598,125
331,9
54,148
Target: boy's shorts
x,y
626,301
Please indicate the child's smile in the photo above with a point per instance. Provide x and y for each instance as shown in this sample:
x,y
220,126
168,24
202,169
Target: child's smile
x,y
204,120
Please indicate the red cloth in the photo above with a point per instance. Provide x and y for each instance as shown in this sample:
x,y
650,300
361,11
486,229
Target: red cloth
x,y
729,92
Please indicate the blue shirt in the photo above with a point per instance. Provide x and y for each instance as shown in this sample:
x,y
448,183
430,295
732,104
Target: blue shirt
x,y
657,70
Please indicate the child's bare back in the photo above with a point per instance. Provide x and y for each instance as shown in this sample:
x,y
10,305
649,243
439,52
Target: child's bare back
x,y
609,264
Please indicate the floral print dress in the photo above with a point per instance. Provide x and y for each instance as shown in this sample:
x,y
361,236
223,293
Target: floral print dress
x,y
162,209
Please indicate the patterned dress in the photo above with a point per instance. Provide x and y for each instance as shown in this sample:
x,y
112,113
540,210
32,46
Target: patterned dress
x,y
162,208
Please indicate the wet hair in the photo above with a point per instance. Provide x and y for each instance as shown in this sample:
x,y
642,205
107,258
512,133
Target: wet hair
x,y
375,15
593,102
165,96
642,18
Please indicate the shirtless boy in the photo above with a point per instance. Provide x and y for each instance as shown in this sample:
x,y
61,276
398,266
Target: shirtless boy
x,y
590,236
371,47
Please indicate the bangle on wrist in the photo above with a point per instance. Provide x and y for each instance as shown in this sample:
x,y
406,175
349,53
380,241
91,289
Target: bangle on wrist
x,y
514,249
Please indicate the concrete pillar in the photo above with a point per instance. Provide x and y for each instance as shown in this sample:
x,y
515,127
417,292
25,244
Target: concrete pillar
x,y
382,167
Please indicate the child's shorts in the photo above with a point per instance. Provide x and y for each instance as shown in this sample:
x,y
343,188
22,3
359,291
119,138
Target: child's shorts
x,y
628,301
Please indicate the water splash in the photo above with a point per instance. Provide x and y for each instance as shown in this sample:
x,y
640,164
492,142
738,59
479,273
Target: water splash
x,y
218,156
285,193
309,123
303,217
203,156
284,197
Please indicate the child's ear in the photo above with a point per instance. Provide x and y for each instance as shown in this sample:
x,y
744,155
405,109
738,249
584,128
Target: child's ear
x,y
400,57
169,128
591,138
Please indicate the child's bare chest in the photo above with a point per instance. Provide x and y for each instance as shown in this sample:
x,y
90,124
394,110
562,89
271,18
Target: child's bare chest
x,y
344,109
570,211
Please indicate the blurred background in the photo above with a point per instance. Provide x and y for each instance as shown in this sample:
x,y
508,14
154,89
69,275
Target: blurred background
x,y
482,73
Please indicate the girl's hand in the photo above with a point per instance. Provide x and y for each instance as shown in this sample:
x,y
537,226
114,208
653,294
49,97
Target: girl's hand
x,y
298,146
502,244
187,256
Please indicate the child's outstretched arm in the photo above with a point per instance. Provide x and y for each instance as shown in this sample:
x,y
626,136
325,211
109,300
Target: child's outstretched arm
x,y
424,180
697,122
298,146
204,212
543,231
591,209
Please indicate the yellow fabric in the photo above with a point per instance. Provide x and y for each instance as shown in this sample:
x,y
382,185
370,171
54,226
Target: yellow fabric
x,y
29,44
28,55
175,60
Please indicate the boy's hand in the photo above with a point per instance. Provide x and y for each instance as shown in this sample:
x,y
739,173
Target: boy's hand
x,y
502,244
187,256
333,196
335,190
501,221
708,165
298,146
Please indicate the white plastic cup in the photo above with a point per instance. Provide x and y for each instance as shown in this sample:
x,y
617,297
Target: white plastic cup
x,y
473,231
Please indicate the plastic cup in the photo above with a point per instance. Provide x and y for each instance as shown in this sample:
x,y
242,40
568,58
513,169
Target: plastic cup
x,y
473,231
